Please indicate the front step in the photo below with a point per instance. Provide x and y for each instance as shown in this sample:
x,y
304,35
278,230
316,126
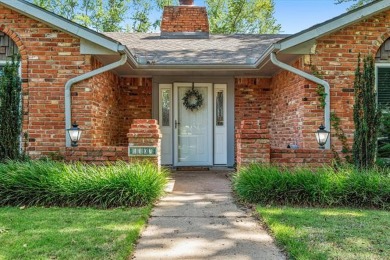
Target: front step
x,y
192,168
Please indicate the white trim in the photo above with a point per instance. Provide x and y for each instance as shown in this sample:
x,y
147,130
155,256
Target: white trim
x,y
229,81
220,145
166,131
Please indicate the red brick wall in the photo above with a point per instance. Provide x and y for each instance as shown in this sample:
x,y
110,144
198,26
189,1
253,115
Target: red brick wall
x,y
302,157
49,59
115,103
106,95
336,59
252,143
103,106
296,110
184,19
252,100
97,155
135,103
145,132
252,104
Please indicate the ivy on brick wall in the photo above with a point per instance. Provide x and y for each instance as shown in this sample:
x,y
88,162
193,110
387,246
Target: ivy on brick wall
x,y
10,110
335,121
320,89
366,115
340,134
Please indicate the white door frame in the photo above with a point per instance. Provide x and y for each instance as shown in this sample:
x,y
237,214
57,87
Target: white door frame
x,y
166,127
220,127
178,103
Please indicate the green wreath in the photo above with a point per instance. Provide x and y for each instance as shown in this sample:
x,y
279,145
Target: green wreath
x,y
192,99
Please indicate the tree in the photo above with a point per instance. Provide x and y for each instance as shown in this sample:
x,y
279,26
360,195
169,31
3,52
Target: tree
x,y
161,3
113,15
140,16
100,15
366,115
10,110
226,16
242,16
357,3
64,8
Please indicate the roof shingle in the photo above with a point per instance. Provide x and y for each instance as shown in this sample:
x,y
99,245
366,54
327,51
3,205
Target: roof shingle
x,y
236,49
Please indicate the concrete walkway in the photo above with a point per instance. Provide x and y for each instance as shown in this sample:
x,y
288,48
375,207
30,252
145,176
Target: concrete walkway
x,y
199,220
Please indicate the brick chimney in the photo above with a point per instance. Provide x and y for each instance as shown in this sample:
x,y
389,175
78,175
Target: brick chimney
x,y
185,21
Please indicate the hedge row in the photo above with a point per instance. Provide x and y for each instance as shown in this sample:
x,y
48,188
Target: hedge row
x,y
46,183
323,187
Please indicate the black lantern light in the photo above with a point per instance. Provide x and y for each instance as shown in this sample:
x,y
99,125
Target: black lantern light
x,y
322,136
74,134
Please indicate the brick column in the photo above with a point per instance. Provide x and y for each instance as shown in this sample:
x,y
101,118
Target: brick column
x,y
145,133
253,145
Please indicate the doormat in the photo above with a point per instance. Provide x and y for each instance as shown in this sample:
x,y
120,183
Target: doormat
x,y
192,168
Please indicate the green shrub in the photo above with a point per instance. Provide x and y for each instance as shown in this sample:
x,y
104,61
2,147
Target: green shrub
x,y
324,187
47,183
383,159
10,110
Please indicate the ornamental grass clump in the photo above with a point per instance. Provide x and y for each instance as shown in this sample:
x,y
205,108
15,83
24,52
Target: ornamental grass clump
x,y
47,183
323,187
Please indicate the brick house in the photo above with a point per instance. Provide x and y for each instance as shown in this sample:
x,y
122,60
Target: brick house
x,y
258,92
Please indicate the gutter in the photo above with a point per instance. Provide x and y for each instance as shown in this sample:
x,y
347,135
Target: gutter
x,y
310,77
263,57
69,84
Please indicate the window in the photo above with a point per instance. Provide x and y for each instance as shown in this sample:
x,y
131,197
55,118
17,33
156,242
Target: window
x,y
166,106
219,113
382,60
383,86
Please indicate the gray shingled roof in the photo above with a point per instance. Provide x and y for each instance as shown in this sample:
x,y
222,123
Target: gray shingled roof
x,y
237,49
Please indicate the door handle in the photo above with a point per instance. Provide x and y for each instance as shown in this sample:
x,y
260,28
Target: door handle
x,y
176,123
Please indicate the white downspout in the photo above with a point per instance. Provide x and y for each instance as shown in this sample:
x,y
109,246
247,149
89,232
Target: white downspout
x,y
69,84
310,77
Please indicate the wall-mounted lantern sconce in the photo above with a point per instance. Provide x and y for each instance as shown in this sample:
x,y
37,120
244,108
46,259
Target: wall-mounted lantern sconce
x,y
74,134
322,136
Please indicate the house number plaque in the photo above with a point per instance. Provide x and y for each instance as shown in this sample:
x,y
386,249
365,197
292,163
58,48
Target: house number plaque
x,y
142,151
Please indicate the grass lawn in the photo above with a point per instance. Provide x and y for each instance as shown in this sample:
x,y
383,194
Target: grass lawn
x,y
309,233
69,233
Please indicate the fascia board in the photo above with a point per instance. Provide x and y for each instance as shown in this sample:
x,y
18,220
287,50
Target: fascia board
x,y
62,24
333,24
88,47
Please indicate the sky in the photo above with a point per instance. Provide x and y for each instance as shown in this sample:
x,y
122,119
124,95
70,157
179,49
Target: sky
x,y
297,15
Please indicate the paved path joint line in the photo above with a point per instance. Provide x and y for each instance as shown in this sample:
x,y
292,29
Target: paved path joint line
x,y
199,220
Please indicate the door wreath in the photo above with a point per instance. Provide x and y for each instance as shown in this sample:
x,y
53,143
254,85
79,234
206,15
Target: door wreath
x,y
192,99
